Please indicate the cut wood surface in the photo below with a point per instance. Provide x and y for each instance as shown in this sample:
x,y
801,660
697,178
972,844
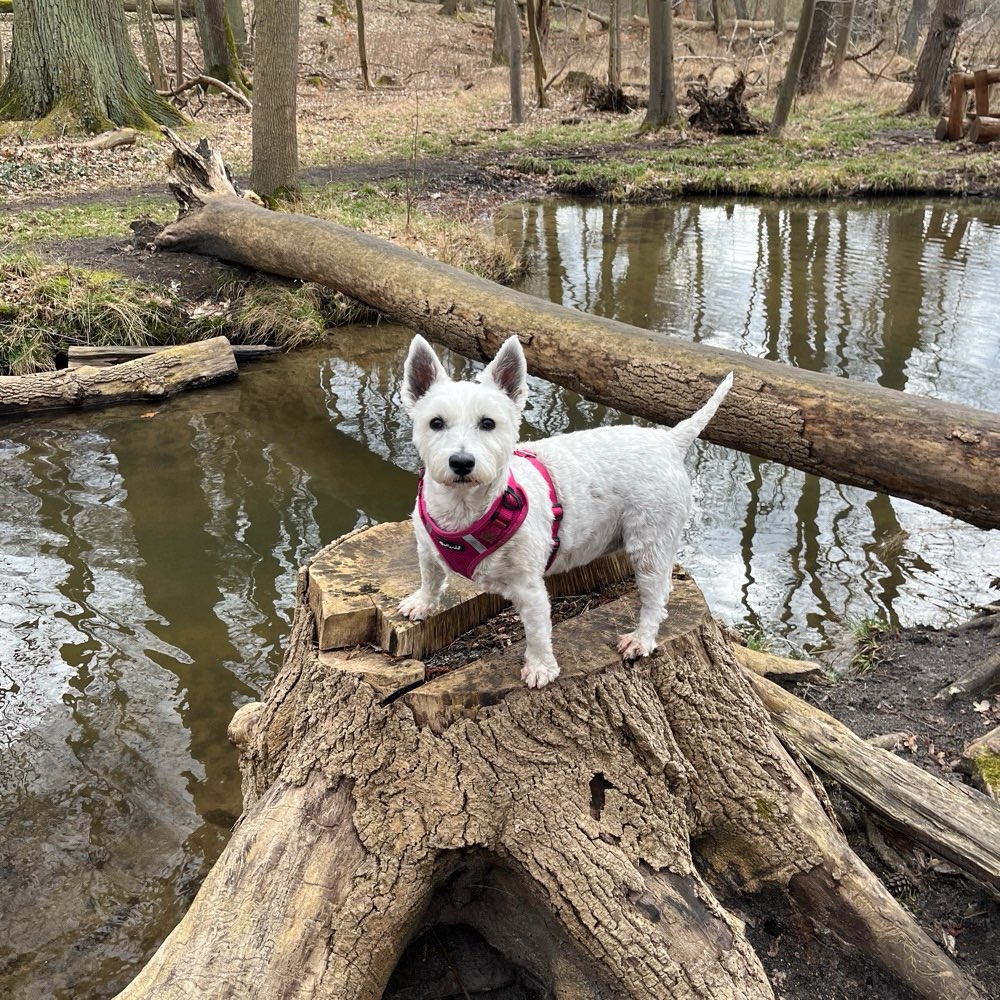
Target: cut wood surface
x,y
152,377
356,584
942,455
558,824
983,129
954,821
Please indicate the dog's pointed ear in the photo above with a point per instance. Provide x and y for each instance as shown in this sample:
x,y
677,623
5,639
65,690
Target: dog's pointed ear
x,y
508,371
421,371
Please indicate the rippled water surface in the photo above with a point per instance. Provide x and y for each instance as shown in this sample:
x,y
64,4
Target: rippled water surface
x,y
148,556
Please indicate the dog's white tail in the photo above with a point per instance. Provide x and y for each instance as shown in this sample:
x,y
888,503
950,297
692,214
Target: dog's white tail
x,y
688,429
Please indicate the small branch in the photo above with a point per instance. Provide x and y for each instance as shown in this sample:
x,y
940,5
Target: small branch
x,y
209,81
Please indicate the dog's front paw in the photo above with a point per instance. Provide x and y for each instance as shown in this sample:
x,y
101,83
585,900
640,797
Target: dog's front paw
x,y
631,647
417,606
538,673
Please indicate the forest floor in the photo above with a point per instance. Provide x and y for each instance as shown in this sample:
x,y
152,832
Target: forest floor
x,y
435,134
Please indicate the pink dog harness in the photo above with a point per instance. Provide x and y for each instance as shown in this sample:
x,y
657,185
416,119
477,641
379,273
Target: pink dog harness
x,y
464,550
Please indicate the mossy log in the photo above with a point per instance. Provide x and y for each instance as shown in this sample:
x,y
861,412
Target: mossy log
x,y
151,377
560,824
938,454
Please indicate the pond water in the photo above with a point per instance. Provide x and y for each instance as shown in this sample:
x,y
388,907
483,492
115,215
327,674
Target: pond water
x,y
148,555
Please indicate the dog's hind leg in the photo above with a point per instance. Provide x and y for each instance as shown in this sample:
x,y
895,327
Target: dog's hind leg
x,y
653,566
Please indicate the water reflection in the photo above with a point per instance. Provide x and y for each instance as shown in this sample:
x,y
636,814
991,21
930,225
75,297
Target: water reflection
x,y
148,556
903,294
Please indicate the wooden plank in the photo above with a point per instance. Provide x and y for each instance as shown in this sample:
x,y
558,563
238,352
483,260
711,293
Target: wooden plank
x,y
981,84
102,357
956,108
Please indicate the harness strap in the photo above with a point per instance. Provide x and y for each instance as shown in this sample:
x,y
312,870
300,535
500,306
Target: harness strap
x,y
557,510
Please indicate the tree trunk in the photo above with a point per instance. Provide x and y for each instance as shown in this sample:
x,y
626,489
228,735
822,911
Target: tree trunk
x,y
238,29
561,825
810,73
72,63
366,82
790,82
501,34
513,20
615,46
178,45
535,44
218,46
928,90
662,108
150,46
845,19
152,377
914,22
942,455
274,173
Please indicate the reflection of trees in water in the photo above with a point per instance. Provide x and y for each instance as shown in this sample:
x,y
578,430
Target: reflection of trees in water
x,y
94,802
875,294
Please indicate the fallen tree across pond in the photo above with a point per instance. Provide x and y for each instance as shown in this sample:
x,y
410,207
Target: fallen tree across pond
x,y
151,377
938,454
589,831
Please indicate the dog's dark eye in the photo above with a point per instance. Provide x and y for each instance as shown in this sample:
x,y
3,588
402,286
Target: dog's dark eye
x,y
487,424
436,424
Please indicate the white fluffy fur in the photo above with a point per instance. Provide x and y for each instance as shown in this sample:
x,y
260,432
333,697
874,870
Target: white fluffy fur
x,y
620,487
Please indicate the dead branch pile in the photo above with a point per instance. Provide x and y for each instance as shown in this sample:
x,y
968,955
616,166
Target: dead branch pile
x,y
725,112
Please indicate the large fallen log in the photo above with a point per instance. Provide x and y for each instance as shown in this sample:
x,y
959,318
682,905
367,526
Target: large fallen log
x,y
151,377
560,824
955,822
938,454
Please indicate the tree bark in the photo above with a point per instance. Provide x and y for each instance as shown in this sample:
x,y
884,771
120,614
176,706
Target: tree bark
x,y
790,81
153,377
561,824
942,455
537,62
217,44
662,107
810,73
72,63
615,45
513,20
927,94
150,46
845,19
275,155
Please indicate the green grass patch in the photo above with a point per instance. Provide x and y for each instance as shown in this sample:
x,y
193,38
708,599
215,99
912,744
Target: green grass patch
x,y
869,634
73,221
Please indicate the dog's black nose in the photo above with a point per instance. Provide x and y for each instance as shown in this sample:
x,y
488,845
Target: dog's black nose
x,y
461,463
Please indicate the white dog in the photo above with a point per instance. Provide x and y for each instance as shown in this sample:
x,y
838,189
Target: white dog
x,y
494,513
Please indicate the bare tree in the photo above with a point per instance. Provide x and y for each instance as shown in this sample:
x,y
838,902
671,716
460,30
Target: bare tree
x,y
275,140
935,58
615,45
366,81
535,44
846,19
810,78
221,61
790,82
150,46
513,21
662,108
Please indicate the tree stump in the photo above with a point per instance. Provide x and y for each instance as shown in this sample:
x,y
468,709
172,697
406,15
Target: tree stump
x,y
561,825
